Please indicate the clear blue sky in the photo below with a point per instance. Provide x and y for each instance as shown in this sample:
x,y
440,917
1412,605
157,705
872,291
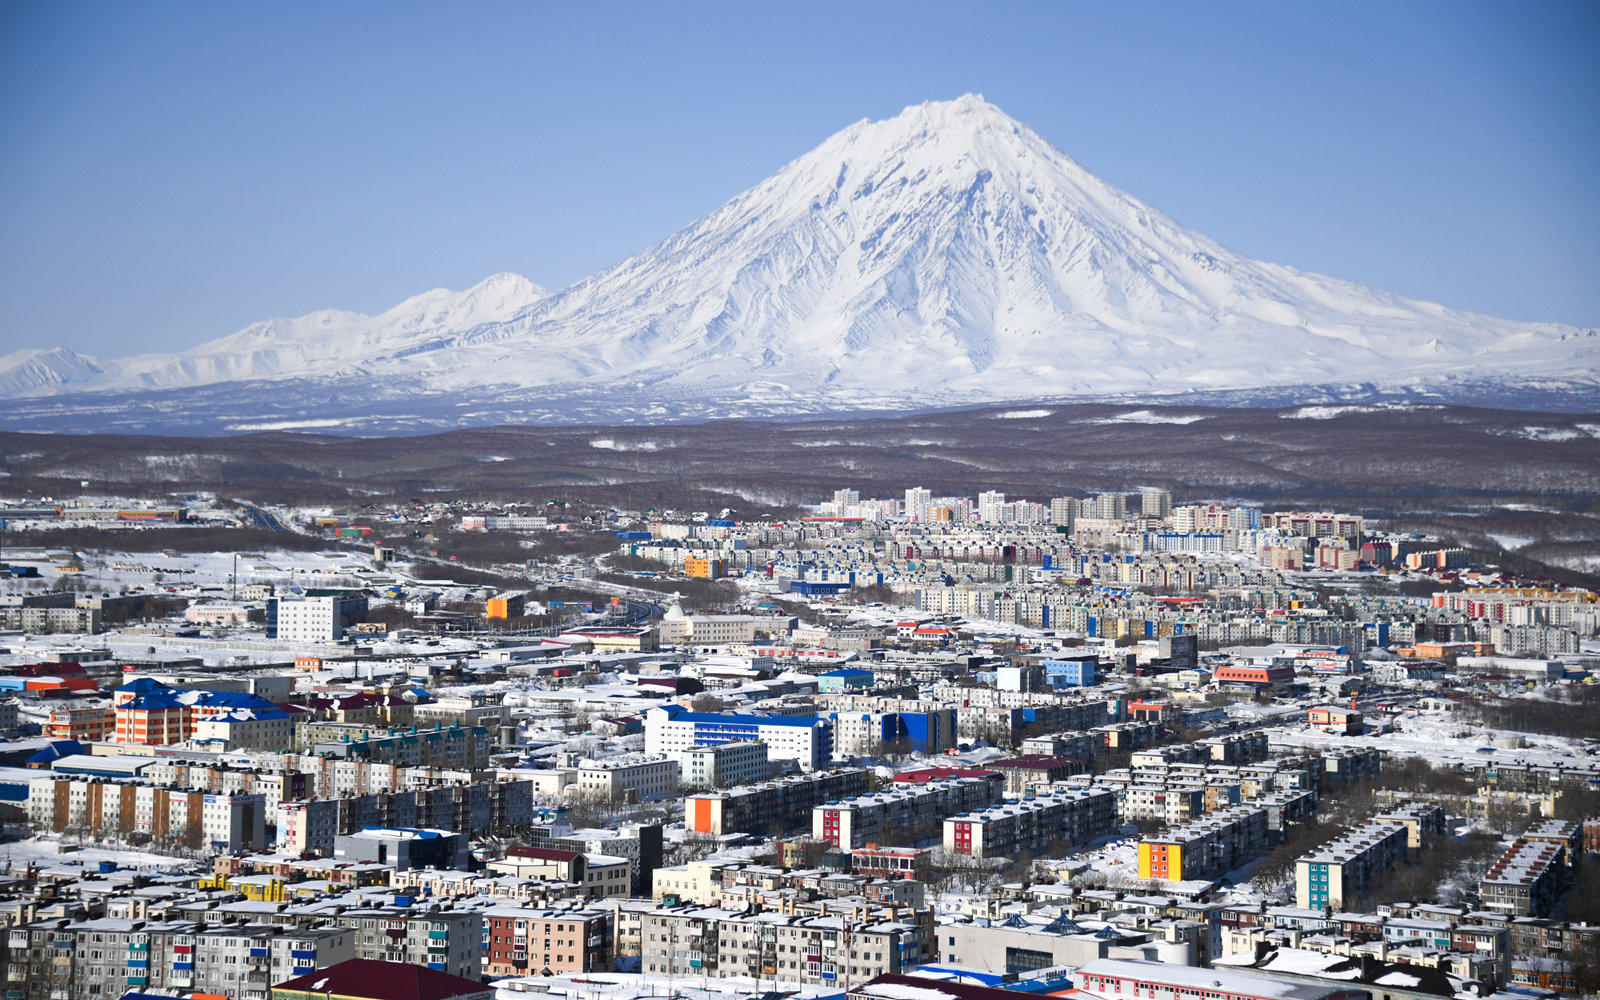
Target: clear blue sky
x,y
172,172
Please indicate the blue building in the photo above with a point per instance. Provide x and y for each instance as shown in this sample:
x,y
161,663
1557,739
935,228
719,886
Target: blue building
x,y
1073,672
844,679
673,729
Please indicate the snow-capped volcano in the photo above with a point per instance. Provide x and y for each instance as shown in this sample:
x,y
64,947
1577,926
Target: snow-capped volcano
x,y
946,255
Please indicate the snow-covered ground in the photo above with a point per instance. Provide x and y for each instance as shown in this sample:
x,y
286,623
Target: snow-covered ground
x,y
1445,740
638,986
47,853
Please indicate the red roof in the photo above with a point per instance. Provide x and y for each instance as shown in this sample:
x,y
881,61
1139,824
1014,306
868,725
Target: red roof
x,y
542,853
922,774
369,978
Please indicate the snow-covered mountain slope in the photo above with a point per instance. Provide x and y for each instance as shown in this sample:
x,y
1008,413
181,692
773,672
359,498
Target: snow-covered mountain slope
x,y
947,255
328,340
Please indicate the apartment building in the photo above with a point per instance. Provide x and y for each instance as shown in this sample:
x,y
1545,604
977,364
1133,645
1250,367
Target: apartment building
x,y
1174,804
601,876
61,959
1527,880
906,813
149,713
1035,769
1339,872
521,941
807,740
740,763
783,804
1206,848
442,746
1423,821
1344,767
437,937
312,825
1236,748
99,807
1072,816
1078,745
863,723
1567,833
631,779
1129,735
313,619
812,950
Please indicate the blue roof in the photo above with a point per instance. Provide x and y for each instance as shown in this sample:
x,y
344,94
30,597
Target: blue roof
x,y
167,697
141,685
731,719
847,672
55,751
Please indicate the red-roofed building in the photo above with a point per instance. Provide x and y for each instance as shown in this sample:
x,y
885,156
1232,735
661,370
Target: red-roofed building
x,y
920,775
1036,769
368,979
1256,677
1153,711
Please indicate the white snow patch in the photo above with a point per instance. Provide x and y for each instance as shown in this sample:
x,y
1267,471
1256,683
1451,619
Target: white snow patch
x,y
1537,433
611,444
1149,417
287,425
1024,414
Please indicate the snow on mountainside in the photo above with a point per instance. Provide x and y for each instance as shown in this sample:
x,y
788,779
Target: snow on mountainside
x,y
946,255
279,348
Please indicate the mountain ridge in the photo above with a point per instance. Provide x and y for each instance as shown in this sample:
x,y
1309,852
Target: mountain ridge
x,y
947,256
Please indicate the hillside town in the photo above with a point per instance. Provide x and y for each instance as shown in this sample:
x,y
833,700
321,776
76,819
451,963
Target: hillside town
x,y
913,747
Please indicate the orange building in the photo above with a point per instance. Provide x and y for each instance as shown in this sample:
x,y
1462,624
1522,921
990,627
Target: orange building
x,y
705,567
510,606
80,723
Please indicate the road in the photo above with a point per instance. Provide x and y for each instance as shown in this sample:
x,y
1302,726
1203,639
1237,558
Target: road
x,y
260,518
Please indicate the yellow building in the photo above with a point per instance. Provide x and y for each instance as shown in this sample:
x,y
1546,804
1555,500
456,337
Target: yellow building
x,y
1159,859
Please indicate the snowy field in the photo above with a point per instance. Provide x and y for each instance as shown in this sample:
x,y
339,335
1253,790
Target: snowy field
x,y
47,853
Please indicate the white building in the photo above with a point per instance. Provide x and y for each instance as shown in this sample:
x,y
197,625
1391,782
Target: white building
x,y
248,729
634,778
671,730
741,763
313,619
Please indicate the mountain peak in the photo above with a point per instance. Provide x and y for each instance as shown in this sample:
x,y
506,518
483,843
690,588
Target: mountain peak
x,y
948,254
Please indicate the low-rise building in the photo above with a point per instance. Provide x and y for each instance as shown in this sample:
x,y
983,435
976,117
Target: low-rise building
x,y
403,849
